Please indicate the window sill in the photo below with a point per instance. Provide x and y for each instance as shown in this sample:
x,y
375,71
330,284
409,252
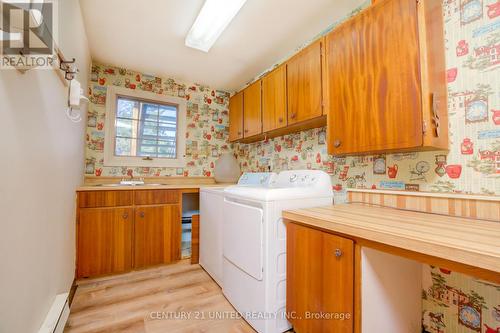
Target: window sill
x,y
139,162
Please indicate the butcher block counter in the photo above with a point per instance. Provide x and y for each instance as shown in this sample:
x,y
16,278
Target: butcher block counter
x,y
340,256
108,187
188,184
472,246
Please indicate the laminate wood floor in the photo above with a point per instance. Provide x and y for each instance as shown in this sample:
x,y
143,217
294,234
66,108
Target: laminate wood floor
x,y
151,301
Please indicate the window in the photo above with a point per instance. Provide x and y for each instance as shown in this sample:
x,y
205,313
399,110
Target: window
x,y
144,129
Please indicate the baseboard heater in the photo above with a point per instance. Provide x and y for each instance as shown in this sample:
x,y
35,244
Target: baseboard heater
x,y
57,316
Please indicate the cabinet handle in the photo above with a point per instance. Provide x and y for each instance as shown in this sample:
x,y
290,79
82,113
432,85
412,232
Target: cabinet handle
x,y
338,253
141,214
337,143
239,133
435,114
246,131
125,216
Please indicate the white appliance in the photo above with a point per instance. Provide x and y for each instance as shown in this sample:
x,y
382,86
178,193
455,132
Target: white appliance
x,y
254,243
211,215
211,218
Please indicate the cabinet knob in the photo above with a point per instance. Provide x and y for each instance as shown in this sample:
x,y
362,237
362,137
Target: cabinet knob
x,y
125,216
246,131
338,253
239,132
337,143
141,214
280,119
293,115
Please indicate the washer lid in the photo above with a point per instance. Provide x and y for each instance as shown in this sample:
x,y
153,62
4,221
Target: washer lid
x,y
289,185
213,189
275,194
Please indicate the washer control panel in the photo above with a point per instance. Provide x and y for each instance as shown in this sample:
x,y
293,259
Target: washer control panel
x,y
257,179
302,178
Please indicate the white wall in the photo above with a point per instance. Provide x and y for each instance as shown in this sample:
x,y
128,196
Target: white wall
x,y
41,163
391,293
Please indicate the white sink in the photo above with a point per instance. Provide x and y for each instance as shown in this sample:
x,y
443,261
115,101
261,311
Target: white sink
x,y
131,182
127,184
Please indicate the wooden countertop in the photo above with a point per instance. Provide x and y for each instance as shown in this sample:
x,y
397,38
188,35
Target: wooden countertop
x,y
469,242
107,187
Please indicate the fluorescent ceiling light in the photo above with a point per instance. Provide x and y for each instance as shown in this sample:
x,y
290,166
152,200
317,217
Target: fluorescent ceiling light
x,y
213,18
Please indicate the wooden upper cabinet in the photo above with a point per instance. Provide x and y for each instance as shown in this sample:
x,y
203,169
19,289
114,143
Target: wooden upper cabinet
x,y
274,110
386,87
104,241
236,117
252,110
320,279
304,72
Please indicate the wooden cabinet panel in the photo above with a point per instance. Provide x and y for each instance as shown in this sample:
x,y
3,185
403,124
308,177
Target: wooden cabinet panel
x,y
433,68
252,110
104,241
91,199
304,276
236,117
374,80
274,111
157,235
304,84
320,279
195,239
156,197
338,282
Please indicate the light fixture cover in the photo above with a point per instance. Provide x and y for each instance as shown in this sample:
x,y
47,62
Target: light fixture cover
x,y
214,17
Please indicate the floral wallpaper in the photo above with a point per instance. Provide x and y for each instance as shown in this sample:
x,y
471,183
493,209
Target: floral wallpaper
x,y
455,304
207,122
472,33
452,302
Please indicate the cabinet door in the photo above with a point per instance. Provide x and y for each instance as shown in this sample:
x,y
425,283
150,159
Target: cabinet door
x,y
304,270
304,84
320,280
157,235
236,117
338,282
104,241
252,110
274,114
373,78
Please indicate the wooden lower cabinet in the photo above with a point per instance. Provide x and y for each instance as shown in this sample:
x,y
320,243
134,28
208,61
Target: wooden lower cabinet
x,y
145,231
104,241
157,235
320,281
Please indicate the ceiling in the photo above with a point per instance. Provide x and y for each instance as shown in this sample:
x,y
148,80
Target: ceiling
x,y
148,36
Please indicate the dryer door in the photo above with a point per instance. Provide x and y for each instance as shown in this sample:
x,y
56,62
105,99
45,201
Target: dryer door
x,y
243,237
